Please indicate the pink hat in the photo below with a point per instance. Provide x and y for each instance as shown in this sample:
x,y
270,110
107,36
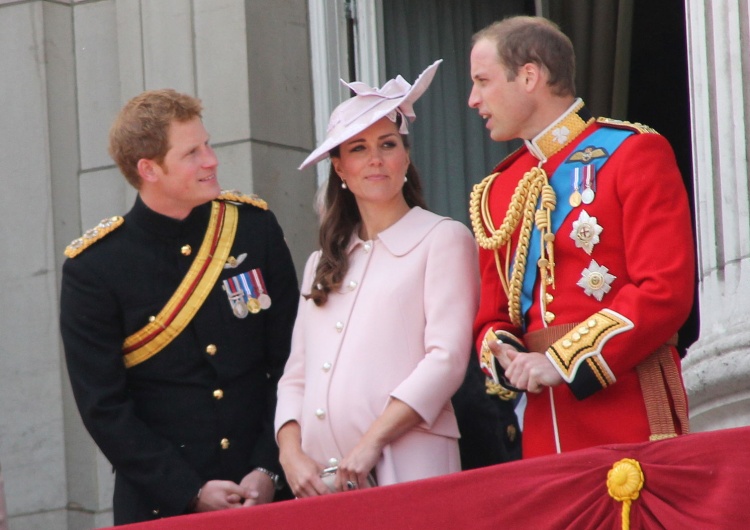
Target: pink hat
x,y
368,106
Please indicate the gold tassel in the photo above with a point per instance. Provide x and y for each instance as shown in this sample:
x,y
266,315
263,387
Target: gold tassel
x,y
624,483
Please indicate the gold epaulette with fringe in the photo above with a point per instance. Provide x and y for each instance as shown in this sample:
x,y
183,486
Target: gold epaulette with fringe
x,y
239,197
93,235
620,124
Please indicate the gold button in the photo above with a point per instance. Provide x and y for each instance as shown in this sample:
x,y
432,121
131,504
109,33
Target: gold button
x,y
566,343
186,250
591,323
549,316
211,349
218,393
225,443
575,336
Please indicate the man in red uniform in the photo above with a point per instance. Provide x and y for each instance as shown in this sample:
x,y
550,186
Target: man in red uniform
x,y
586,252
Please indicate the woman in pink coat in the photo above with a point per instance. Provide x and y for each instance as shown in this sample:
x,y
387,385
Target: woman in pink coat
x,y
383,332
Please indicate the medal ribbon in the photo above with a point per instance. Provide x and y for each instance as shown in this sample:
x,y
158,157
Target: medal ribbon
x,y
247,284
257,279
608,138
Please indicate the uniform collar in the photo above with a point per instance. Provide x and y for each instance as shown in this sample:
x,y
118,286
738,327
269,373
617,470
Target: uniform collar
x,y
404,234
151,221
561,132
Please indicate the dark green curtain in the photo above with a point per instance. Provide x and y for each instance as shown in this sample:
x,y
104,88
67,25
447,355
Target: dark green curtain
x,y
450,145
601,35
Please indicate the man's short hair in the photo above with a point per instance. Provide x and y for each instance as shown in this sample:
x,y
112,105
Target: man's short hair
x,y
522,39
141,128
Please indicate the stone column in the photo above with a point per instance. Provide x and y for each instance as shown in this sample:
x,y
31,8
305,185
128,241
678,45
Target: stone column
x,y
717,367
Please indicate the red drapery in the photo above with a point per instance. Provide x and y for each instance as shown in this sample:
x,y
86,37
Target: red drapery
x,y
694,481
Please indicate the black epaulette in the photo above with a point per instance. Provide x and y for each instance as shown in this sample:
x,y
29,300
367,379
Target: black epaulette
x,y
93,235
241,198
620,124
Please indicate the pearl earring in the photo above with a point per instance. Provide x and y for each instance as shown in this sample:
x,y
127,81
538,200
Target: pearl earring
x,y
343,184
405,178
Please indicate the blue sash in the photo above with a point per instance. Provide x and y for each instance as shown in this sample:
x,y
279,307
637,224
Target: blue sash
x,y
607,138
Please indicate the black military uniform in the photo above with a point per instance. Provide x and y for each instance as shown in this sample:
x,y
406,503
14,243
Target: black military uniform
x,y
203,407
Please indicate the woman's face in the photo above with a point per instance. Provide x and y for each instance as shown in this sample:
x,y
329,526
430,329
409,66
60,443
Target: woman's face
x,y
373,164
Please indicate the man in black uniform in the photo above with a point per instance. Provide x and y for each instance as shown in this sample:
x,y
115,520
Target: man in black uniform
x,y
176,321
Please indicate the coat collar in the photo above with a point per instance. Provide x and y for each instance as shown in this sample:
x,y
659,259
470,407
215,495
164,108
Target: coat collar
x,y
150,221
404,234
561,132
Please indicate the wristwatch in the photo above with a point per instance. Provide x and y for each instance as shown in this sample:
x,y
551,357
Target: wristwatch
x,y
273,476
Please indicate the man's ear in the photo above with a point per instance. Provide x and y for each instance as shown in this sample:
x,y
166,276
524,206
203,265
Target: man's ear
x,y
532,76
149,170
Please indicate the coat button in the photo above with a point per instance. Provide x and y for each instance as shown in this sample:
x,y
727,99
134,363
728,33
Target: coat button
x,y
320,413
186,250
326,366
211,349
224,443
333,462
218,393
339,326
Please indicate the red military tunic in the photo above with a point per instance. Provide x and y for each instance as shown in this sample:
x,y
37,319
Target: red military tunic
x,y
623,275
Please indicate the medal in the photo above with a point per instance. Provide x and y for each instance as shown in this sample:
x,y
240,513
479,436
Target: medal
x,y
260,287
575,197
239,309
264,300
586,232
596,280
253,305
589,192
246,292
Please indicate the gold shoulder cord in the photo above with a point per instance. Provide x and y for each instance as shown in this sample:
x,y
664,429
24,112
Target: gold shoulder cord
x,y
521,210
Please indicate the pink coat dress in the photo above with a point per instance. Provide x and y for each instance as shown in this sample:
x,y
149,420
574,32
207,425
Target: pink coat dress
x,y
399,326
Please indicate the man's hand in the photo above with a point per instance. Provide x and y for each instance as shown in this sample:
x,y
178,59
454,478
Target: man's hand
x,y
259,487
219,495
530,371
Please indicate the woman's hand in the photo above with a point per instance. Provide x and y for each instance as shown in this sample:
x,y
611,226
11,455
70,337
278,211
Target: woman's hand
x,y
302,472
395,421
355,467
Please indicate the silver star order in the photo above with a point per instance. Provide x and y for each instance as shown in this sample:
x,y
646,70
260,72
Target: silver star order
x,y
586,232
596,280
561,134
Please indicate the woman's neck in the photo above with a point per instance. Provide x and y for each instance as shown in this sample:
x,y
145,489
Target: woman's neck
x,y
377,218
